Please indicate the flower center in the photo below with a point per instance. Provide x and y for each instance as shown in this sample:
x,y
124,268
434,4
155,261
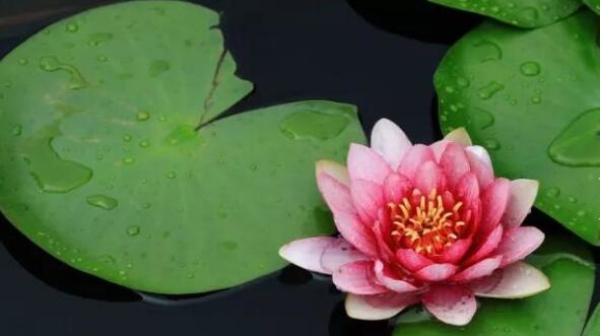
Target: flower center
x,y
423,223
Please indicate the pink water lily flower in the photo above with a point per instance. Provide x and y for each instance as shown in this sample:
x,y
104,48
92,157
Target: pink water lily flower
x,y
422,224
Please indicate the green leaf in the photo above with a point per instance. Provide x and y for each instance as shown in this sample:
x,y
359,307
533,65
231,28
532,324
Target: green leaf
x,y
532,99
593,327
561,310
112,162
593,5
521,13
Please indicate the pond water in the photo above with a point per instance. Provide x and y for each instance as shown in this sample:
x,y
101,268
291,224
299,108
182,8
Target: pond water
x,y
379,57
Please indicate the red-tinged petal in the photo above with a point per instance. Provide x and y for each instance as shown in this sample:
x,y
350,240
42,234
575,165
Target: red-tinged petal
x,y
385,278
430,177
306,253
518,243
368,199
389,141
396,187
494,202
357,278
486,246
516,281
414,160
338,254
333,169
521,199
385,253
356,233
366,164
455,163
438,149
481,165
455,305
454,253
411,260
336,195
479,270
459,136
468,189
378,307
436,272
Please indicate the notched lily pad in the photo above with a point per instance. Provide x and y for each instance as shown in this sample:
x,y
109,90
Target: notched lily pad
x,y
113,162
521,13
534,108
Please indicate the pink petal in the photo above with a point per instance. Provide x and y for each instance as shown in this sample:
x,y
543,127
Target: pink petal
x,y
357,278
385,278
411,260
438,149
516,281
436,272
385,253
396,187
521,199
494,202
365,164
389,141
306,253
356,233
339,253
481,165
454,253
336,195
378,307
459,136
486,246
455,163
368,199
468,189
478,270
518,243
414,159
333,169
455,305
430,177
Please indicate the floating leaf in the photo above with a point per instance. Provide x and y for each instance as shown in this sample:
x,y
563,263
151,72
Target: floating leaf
x,y
520,13
593,5
593,327
112,162
561,310
538,94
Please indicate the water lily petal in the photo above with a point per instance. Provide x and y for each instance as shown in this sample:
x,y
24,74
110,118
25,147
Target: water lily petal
x,y
516,281
411,260
436,272
459,136
336,195
494,201
356,233
366,164
521,199
455,163
454,253
455,305
389,141
517,243
377,307
358,278
367,198
468,189
486,246
481,165
339,253
481,269
438,149
414,160
333,169
385,278
396,187
306,253
430,177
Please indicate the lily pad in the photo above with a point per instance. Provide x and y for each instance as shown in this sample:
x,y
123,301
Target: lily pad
x,y
593,5
533,99
113,162
562,310
521,13
593,327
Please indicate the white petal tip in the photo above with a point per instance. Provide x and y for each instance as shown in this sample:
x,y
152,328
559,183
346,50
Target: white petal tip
x,y
358,309
459,136
518,281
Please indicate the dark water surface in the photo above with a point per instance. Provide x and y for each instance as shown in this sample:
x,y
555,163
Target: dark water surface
x,y
371,53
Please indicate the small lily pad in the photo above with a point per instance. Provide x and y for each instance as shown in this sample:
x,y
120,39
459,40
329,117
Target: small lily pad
x,y
533,99
521,13
113,162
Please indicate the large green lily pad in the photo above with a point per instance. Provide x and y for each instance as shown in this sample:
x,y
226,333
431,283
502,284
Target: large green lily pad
x,y
533,100
520,13
593,5
562,310
112,162
593,327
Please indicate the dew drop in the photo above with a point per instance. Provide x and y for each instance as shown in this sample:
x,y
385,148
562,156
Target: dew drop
x,y
315,125
144,143
577,144
127,138
52,64
530,69
553,192
171,175
102,202
482,119
72,27
128,160
17,130
142,116
102,58
23,61
99,38
133,230
487,51
490,90
491,144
